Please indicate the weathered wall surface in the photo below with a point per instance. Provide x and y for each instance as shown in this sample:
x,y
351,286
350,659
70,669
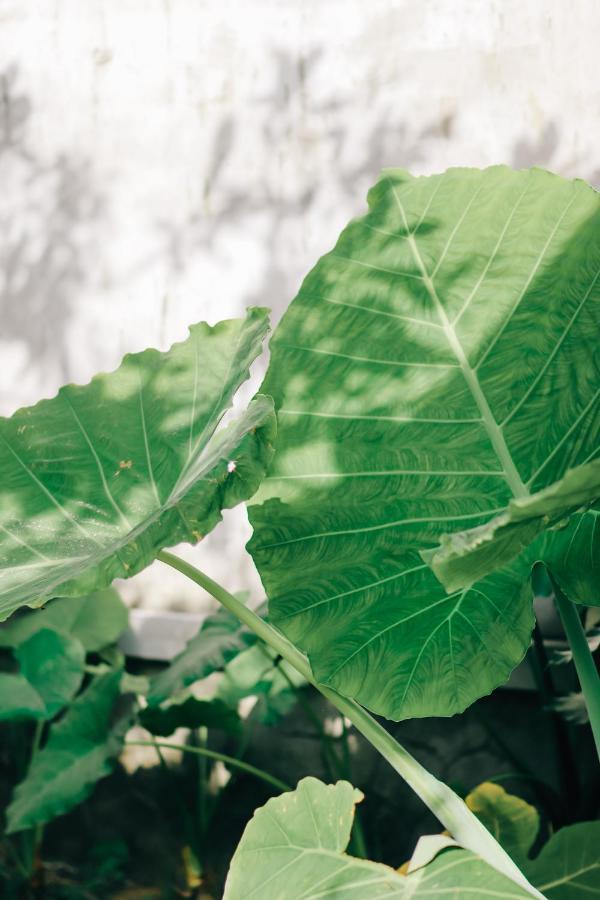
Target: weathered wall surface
x,y
164,161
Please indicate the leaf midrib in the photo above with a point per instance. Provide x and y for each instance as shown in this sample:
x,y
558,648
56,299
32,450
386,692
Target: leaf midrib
x,y
569,876
493,430
117,542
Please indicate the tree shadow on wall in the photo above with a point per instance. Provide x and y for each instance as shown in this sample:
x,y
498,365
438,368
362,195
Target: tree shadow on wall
x,y
46,206
354,144
544,150
285,199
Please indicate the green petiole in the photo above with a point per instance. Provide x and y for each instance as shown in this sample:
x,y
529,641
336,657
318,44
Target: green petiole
x,y
447,806
221,757
583,659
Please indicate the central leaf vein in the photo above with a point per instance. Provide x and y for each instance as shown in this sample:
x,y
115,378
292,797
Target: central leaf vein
x,y
494,431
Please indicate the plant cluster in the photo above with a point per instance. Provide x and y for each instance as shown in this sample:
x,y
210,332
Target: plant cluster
x,y
425,442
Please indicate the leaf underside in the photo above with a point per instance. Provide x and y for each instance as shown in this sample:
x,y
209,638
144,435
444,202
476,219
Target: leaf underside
x,y
96,481
293,848
439,361
95,620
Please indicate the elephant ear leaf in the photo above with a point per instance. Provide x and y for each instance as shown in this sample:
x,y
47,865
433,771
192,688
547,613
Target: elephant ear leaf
x,y
466,556
294,847
95,620
512,821
51,668
97,480
80,750
568,867
572,554
439,362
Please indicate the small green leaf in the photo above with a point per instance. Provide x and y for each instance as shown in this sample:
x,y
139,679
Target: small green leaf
x,y
96,620
191,713
467,556
99,479
293,849
219,640
572,554
568,867
254,673
53,664
79,752
51,671
513,822
18,699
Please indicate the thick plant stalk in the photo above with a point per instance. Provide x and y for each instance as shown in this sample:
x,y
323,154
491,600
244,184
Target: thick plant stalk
x,y
583,659
447,806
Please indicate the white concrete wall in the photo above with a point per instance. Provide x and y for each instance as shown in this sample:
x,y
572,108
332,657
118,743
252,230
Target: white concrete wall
x,y
165,161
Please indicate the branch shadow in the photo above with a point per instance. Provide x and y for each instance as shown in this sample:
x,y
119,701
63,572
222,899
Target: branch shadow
x,y
47,206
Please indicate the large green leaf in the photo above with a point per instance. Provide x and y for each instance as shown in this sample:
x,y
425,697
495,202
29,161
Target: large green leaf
x,y
219,640
442,359
96,481
96,620
466,556
568,868
293,849
51,671
78,753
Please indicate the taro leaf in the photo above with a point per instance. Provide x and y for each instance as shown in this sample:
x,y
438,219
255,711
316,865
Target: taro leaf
x,y
96,620
79,752
442,359
51,671
568,868
96,481
466,556
513,822
219,640
293,848
53,664
192,713
573,556
18,699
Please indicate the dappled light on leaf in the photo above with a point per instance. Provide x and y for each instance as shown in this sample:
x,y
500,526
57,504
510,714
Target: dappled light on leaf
x,y
431,394
102,477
